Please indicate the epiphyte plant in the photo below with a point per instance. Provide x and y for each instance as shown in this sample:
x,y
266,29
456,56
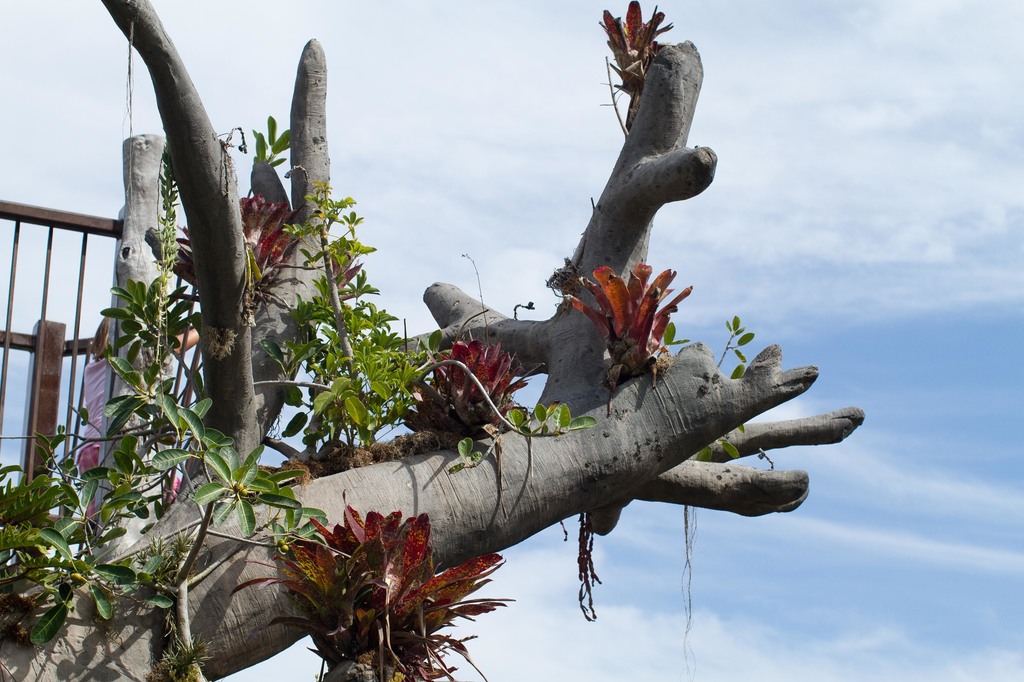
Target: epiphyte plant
x,y
628,317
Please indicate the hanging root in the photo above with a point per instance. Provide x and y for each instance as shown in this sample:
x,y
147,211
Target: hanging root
x,y
588,576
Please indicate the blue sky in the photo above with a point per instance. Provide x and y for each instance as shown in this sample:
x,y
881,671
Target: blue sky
x,y
867,215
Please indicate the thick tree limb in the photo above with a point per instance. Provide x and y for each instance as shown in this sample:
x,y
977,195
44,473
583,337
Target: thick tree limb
x,y
645,436
742,491
310,159
209,195
264,180
459,315
728,487
823,429
310,163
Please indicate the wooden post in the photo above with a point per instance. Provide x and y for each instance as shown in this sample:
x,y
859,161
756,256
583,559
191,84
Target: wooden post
x,y
43,389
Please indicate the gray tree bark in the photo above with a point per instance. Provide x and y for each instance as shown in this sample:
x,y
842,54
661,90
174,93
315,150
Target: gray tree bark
x,y
642,449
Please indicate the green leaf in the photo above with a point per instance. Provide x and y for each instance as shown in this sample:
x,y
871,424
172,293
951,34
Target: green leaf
x,y
280,501
117,313
357,411
245,474
434,342
261,146
741,356
209,493
295,424
668,337
88,493
170,458
322,401
96,473
738,372
193,422
215,439
540,413
745,339
704,455
287,475
584,422
202,407
124,369
273,350
65,527
220,467
380,389
271,128
465,447
103,606
57,541
222,511
730,449
735,323
282,143
169,408
159,600
516,416
120,410
49,625
562,415
293,396
246,518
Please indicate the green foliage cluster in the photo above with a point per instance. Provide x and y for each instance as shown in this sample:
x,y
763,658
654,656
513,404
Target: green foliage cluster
x,y
363,372
738,337
270,146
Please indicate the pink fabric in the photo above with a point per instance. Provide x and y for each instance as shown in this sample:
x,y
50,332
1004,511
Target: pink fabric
x,y
94,397
88,457
94,394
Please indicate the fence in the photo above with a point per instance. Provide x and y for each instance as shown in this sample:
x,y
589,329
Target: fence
x,y
54,353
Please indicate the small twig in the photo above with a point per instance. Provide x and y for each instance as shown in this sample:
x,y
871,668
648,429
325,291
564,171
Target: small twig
x,y
247,541
214,565
615,102
197,545
286,449
479,288
291,382
517,306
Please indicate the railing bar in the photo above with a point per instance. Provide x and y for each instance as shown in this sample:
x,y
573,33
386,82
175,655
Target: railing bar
x,y
77,332
7,327
46,274
48,217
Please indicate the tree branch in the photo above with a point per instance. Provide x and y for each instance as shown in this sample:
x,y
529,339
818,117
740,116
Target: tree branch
x,y
310,163
823,429
460,315
209,195
728,487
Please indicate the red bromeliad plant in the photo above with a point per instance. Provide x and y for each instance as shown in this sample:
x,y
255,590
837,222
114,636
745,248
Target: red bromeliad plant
x,y
367,591
628,316
454,403
267,243
633,47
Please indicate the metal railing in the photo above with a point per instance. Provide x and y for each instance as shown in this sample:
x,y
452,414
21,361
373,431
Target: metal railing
x,y
55,354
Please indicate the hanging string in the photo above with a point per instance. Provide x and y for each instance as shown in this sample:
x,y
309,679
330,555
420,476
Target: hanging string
x,y
130,112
